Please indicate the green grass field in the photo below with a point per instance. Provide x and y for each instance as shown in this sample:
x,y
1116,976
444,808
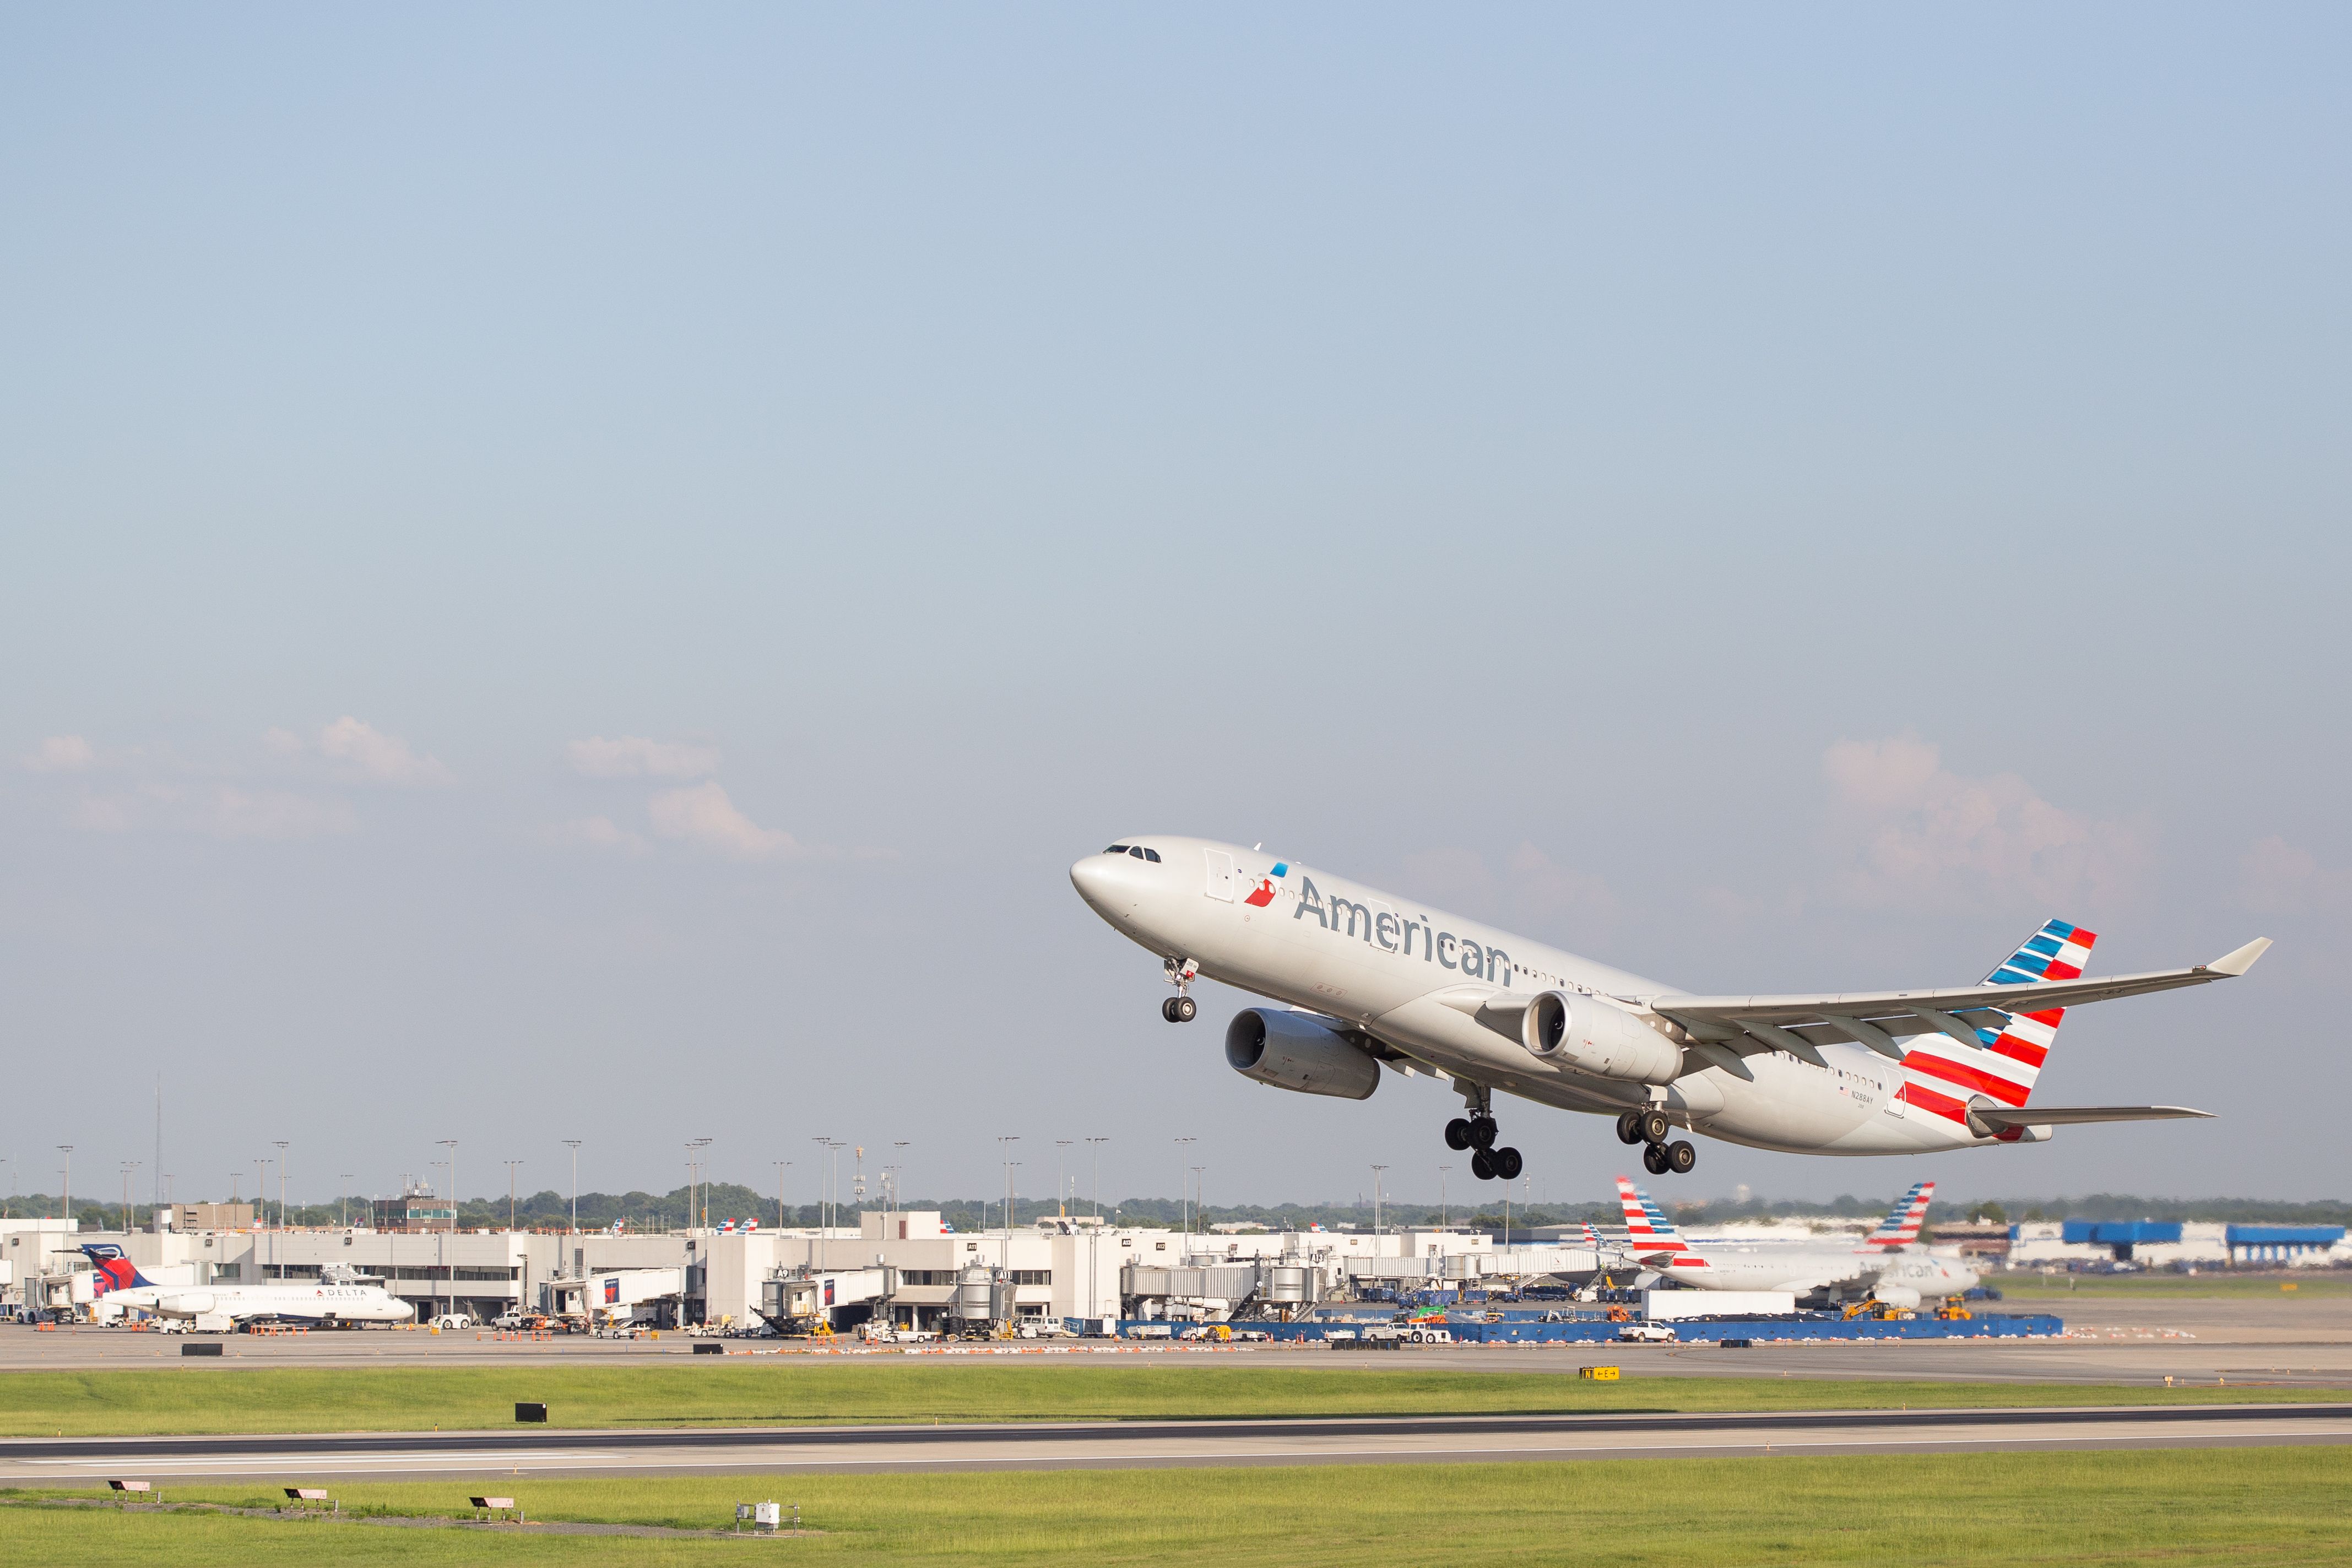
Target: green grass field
x,y
2312,1285
2181,1508
301,1399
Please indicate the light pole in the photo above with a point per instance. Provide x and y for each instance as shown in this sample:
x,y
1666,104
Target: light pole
x,y
782,1166
1094,1148
128,1166
1377,1229
573,1144
449,1248
281,1181
897,1193
1442,1210
1006,1155
261,1205
1200,1199
343,1204
510,1195
694,1148
1180,1153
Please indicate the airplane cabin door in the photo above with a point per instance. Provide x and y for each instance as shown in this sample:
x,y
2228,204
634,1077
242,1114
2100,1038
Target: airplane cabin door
x,y
1221,876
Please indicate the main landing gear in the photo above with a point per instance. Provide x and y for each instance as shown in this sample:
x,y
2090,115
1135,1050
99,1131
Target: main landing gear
x,y
1181,1008
1650,1129
1478,1133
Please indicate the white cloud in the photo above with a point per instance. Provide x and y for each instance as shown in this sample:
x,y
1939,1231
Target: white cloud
x,y
283,742
702,814
385,758
596,833
2276,877
636,757
1910,831
276,814
61,754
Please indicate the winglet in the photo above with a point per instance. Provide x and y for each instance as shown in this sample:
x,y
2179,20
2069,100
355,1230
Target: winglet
x,y
2239,962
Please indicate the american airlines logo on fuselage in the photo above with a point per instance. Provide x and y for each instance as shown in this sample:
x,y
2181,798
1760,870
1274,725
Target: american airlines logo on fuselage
x,y
1393,933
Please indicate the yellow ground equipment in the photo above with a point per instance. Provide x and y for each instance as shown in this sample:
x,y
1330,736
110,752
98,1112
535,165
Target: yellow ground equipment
x,y
1955,1309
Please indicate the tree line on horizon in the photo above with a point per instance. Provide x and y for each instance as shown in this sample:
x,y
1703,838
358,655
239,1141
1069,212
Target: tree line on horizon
x,y
721,1201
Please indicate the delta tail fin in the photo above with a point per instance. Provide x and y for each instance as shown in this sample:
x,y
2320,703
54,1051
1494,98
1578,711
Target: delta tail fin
x,y
113,1268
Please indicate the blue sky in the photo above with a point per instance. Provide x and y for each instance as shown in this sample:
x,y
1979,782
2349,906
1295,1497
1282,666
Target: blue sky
x,y
575,573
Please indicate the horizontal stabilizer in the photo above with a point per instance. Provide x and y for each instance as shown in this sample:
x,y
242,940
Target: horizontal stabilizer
x,y
1998,1117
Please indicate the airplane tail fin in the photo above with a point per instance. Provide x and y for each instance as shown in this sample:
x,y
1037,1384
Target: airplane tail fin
x,y
1647,1228
1944,1076
113,1268
1901,1226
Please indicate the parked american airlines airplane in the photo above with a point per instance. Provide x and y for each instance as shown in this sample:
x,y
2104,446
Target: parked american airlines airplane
x,y
1371,979
338,1298
1886,1265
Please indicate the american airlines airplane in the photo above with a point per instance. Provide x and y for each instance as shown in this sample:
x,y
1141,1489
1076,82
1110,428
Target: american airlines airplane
x,y
1886,1265
1374,980
338,1300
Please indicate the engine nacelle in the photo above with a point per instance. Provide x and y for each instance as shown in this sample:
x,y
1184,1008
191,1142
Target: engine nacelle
x,y
193,1304
1589,1036
1901,1296
1299,1052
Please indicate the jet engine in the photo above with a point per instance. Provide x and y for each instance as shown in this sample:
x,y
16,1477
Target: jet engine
x,y
1589,1036
193,1304
1902,1297
1299,1052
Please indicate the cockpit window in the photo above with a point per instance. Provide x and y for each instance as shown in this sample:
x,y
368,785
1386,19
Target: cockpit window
x,y
1116,850
1137,852
1151,855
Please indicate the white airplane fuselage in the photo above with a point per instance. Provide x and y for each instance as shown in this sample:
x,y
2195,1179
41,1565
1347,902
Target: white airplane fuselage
x,y
1390,969
1805,1271
317,1303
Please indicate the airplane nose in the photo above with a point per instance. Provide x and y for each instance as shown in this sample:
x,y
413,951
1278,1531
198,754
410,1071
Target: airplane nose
x,y
1105,883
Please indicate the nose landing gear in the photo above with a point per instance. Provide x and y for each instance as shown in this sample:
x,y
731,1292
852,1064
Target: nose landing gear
x,y
1181,1008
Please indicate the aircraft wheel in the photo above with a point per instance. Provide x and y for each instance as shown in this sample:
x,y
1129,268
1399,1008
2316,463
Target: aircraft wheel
x,y
1653,1159
1681,1158
1629,1127
1507,1163
1482,1132
1186,1009
1482,1165
1168,1009
1655,1128
1457,1134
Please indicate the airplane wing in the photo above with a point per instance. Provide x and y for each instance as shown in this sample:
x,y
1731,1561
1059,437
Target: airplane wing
x,y
2000,1117
1874,1018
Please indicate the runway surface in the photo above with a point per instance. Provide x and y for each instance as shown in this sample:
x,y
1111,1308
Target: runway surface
x,y
1149,1444
2298,1343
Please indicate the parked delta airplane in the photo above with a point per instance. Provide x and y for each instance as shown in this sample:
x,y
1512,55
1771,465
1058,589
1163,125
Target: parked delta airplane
x,y
1373,979
1886,1265
337,1299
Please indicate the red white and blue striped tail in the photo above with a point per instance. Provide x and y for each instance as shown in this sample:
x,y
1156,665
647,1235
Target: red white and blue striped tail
x,y
1901,1226
1650,1235
1942,1075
